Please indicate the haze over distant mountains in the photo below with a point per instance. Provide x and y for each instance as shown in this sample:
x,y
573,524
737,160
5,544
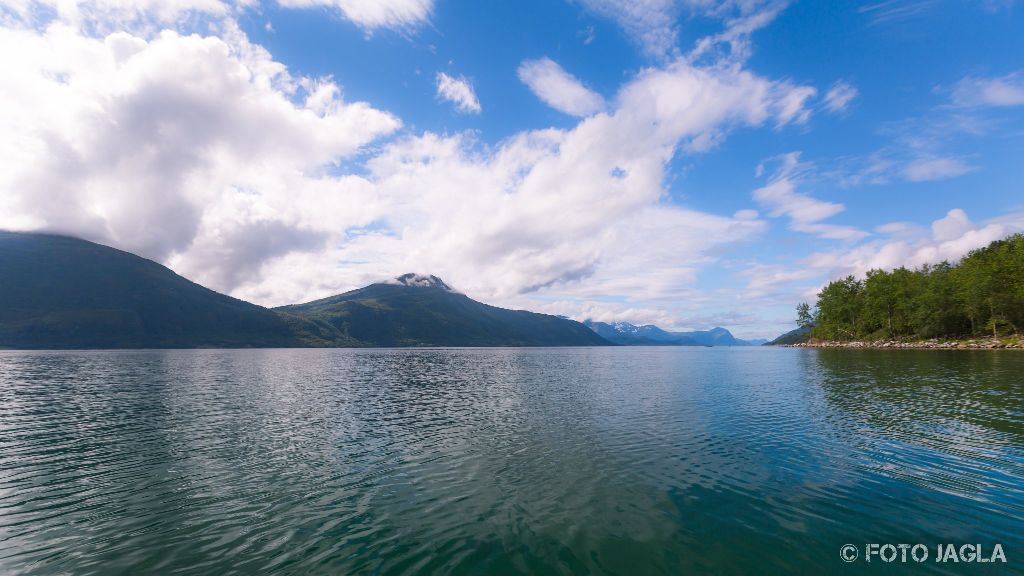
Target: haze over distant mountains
x,y
60,292
626,334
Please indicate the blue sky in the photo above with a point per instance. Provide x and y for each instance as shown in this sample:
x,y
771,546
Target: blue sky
x,y
689,163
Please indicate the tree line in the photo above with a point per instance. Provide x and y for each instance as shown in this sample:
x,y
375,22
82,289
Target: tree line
x,y
981,295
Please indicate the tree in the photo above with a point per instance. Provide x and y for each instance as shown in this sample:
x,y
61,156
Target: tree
x,y
937,311
984,293
804,318
840,305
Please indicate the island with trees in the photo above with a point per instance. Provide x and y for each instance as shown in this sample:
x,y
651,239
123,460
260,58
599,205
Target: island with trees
x,y
975,303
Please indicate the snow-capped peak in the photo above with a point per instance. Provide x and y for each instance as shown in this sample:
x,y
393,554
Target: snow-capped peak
x,y
420,281
624,327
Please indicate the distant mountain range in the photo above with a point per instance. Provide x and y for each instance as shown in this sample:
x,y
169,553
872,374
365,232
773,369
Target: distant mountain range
x,y
60,292
626,334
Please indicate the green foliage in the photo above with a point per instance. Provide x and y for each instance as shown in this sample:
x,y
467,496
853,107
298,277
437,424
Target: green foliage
x,y
804,318
983,294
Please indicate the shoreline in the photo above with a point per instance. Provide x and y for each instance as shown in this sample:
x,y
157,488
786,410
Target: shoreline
x,y
1012,343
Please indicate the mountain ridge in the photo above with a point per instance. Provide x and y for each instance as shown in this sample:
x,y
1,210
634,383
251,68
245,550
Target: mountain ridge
x,y
60,292
401,314
63,292
626,334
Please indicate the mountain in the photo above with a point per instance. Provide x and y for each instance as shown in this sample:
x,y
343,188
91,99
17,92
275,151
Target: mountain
x,y
626,334
415,310
796,336
61,292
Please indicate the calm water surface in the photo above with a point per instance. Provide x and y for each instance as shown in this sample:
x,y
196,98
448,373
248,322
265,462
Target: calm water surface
x,y
504,461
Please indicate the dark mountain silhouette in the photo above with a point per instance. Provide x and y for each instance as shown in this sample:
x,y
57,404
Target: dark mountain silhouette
x,y
62,292
796,336
415,310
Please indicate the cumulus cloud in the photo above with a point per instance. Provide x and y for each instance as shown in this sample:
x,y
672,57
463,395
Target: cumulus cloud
x,y
458,91
954,225
492,219
559,89
203,152
839,96
951,238
172,145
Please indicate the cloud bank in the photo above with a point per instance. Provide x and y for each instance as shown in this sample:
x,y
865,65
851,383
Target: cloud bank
x,y
159,128
204,152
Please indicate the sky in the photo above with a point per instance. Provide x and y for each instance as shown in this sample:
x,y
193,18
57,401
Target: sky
x,y
686,163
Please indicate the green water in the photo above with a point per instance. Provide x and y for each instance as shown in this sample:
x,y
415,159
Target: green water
x,y
506,461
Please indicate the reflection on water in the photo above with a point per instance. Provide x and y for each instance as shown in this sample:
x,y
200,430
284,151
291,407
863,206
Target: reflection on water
x,y
574,461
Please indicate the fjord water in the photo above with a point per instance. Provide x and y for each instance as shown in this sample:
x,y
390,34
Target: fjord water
x,y
502,461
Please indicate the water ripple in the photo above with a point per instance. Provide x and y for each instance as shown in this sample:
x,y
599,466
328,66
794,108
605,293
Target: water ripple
x,y
480,461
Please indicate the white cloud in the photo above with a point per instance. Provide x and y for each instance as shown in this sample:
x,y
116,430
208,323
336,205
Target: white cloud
x,y
805,213
204,153
175,147
559,89
1000,91
794,106
781,198
654,24
764,279
952,237
954,225
374,13
113,15
492,221
839,96
741,19
929,169
458,91
610,313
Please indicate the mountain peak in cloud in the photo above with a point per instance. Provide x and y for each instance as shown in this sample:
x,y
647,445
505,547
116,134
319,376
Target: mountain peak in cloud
x,y
421,281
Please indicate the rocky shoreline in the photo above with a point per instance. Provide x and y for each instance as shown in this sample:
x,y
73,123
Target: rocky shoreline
x,y
935,344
